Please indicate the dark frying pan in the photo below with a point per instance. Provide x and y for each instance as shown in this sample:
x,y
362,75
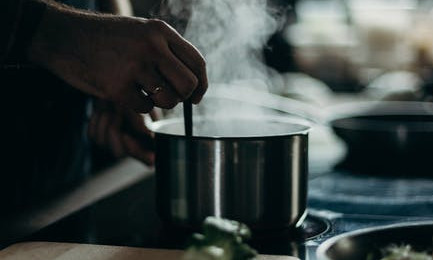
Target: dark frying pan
x,y
386,137
368,243
382,137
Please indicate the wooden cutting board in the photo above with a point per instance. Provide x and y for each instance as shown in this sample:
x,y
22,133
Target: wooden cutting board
x,y
69,251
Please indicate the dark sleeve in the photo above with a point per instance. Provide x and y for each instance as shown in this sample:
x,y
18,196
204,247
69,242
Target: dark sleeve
x,y
19,20
10,12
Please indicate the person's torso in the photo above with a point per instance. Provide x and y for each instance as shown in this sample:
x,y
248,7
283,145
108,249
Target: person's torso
x,y
44,133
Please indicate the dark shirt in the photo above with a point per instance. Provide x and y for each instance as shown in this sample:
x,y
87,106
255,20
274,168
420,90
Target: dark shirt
x,y
10,13
18,21
44,120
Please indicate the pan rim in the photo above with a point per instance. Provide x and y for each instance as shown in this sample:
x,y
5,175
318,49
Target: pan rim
x,y
327,244
364,108
380,126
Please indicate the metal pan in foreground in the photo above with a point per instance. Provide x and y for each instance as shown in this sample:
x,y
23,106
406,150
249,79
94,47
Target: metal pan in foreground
x,y
367,243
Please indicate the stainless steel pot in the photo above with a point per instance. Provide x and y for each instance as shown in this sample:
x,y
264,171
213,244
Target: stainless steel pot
x,y
254,171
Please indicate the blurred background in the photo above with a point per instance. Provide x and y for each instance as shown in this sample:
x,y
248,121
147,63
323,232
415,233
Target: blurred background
x,y
374,49
331,63
306,57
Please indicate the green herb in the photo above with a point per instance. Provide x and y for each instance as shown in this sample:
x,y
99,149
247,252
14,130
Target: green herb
x,y
404,253
222,239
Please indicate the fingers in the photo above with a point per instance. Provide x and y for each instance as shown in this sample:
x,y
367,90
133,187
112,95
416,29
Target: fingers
x,y
137,138
180,77
155,114
192,58
116,145
135,149
180,54
135,124
135,99
122,132
165,96
104,130
98,127
169,64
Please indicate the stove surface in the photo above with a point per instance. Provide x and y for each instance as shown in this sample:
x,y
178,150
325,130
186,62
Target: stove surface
x,y
353,193
338,202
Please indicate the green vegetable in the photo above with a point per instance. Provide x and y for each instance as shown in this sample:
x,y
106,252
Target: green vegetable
x,y
404,253
222,239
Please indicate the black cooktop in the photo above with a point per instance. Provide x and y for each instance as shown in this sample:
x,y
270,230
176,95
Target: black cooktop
x,y
356,193
338,202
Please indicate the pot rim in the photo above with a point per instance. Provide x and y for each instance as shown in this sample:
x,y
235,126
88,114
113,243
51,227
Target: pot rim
x,y
303,124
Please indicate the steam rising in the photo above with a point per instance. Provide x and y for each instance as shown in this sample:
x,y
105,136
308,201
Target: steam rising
x,y
231,35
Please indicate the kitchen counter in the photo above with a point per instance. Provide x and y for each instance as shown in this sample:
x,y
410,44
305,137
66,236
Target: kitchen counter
x,y
128,218
117,207
15,226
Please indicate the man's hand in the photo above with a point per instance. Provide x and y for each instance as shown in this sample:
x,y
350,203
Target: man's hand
x,y
121,131
137,63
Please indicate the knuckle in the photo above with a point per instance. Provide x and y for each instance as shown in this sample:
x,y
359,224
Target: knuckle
x,y
132,149
172,104
154,35
203,89
191,81
154,49
169,104
185,87
157,25
201,64
146,108
115,96
185,94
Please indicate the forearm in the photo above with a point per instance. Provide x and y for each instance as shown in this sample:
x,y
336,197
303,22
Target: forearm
x,y
59,25
19,23
63,24
115,57
57,43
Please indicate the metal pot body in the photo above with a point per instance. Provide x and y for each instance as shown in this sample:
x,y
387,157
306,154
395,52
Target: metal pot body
x,y
261,181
